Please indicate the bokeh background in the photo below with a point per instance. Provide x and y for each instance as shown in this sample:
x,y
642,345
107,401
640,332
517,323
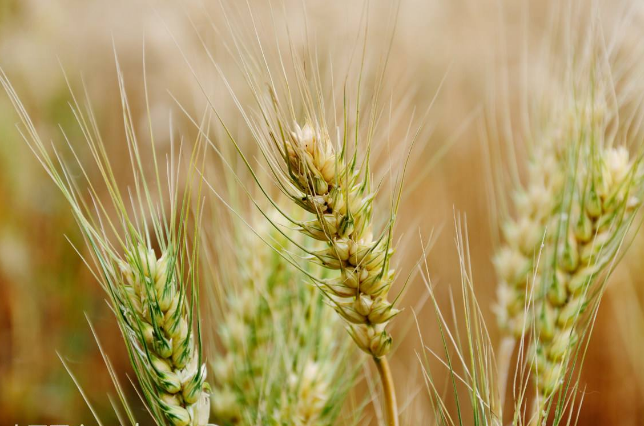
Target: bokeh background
x,y
466,53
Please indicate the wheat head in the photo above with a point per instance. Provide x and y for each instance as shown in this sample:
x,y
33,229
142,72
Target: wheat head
x,y
154,298
276,364
604,197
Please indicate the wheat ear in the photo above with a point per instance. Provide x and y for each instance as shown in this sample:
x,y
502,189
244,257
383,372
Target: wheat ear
x,y
279,366
601,211
339,194
342,204
518,259
148,295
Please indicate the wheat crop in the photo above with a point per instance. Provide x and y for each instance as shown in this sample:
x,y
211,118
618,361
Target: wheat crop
x,y
604,198
250,290
154,297
282,358
570,220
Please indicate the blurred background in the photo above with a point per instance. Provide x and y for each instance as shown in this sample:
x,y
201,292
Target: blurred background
x,y
465,53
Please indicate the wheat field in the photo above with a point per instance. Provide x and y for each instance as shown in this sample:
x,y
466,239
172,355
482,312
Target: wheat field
x,y
314,212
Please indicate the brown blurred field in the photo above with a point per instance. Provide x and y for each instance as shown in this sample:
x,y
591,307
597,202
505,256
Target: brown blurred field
x,y
475,47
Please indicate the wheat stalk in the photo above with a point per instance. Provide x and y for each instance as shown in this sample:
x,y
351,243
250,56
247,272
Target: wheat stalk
x,y
581,193
324,168
334,184
571,220
270,320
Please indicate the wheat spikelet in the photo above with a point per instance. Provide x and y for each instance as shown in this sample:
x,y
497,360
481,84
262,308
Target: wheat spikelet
x,y
581,193
333,182
323,181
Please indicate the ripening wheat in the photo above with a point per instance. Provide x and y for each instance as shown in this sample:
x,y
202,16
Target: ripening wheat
x,y
154,296
569,221
283,357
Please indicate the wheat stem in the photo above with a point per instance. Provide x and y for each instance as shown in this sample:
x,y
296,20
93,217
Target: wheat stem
x,y
389,391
